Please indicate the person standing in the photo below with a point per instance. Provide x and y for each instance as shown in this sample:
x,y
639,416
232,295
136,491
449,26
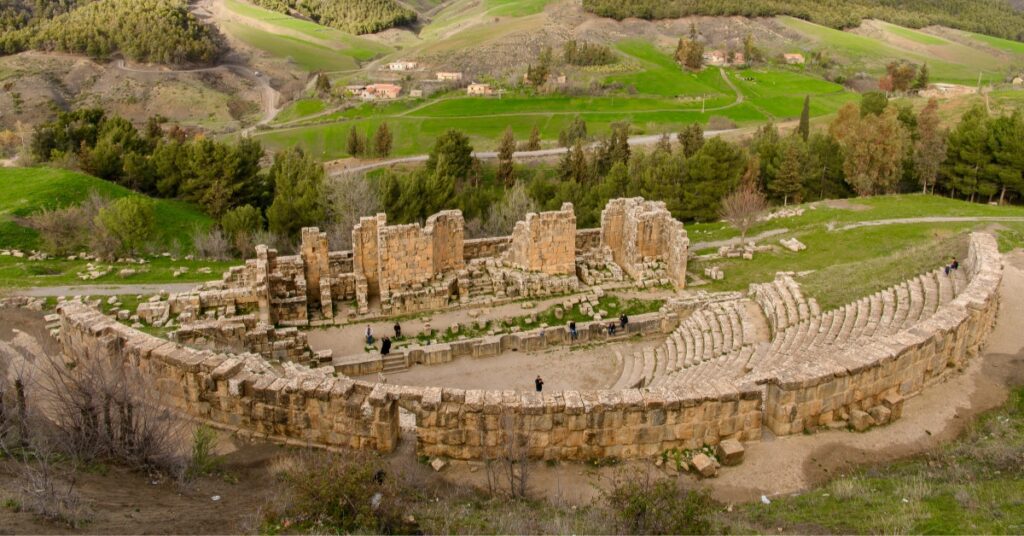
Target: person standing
x,y
385,346
539,383
573,334
369,334
398,331
623,321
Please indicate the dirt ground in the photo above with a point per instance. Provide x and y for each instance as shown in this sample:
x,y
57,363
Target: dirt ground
x,y
562,369
127,502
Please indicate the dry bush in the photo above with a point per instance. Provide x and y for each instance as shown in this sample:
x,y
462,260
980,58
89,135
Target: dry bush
x,y
69,229
47,489
282,244
351,196
510,471
211,244
103,410
717,122
351,493
642,505
847,488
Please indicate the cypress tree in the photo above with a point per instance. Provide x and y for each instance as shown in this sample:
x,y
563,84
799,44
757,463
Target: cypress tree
x,y
805,119
506,168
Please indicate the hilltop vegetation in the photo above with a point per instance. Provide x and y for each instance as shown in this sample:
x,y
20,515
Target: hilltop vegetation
x,y
159,31
356,16
991,17
15,14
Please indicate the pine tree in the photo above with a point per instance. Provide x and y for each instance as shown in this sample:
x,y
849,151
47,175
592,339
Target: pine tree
x,y
923,78
805,119
789,180
452,151
967,152
691,139
1007,145
534,142
382,141
323,84
506,168
930,147
298,192
355,145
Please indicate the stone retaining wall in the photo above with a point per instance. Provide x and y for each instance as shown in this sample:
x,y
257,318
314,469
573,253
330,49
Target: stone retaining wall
x,y
884,372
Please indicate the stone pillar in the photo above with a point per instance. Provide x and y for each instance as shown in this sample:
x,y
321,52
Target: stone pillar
x,y
264,259
317,268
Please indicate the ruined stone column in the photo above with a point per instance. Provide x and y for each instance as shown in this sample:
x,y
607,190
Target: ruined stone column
x,y
317,268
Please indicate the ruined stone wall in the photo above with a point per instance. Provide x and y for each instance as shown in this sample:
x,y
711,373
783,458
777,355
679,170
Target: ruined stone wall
x,y
301,406
406,257
881,373
447,232
588,240
639,232
316,262
293,405
545,242
482,248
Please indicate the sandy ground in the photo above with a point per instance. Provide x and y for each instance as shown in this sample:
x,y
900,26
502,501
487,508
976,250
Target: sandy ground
x,y
561,368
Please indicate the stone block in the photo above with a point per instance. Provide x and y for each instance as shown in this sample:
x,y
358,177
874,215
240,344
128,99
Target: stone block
x,y
704,465
730,452
880,414
860,420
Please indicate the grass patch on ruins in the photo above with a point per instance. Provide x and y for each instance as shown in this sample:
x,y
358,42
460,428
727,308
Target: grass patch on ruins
x,y
611,304
23,273
30,190
971,486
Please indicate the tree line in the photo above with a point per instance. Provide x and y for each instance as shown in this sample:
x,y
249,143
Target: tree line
x,y
992,17
355,16
158,31
876,147
583,53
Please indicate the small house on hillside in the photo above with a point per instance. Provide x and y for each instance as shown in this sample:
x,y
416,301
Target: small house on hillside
x,y
738,58
416,93
402,66
449,76
716,58
381,91
478,89
794,59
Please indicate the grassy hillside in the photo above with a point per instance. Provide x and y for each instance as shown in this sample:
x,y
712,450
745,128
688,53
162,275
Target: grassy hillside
x,y
311,46
948,61
30,190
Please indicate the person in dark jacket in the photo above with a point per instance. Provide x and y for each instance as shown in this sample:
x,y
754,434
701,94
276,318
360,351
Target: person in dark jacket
x,y
398,331
385,346
539,383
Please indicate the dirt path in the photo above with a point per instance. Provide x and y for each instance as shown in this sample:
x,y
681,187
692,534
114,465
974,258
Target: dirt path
x,y
104,290
728,242
928,219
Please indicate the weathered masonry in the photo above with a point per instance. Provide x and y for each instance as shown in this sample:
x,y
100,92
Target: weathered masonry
x,y
854,365
399,269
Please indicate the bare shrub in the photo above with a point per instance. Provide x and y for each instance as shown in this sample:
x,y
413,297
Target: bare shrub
x,y
513,207
353,493
642,505
717,122
48,489
510,471
69,229
743,208
273,240
103,410
211,244
351,196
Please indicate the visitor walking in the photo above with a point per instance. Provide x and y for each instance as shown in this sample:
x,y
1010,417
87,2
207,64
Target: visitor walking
x,y
398,331
953,265
573,334
539,383
385,346
369,335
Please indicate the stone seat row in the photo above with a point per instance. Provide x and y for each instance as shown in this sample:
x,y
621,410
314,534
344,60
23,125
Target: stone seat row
x,y
823,336
709,332
783,303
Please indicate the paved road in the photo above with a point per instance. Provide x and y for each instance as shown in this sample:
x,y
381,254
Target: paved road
x,y
104,290
635,141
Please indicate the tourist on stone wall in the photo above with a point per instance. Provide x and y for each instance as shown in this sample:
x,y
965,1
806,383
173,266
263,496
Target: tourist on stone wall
x,y
611,329
539,383
573,334
398,331
623,320
385,346
369,334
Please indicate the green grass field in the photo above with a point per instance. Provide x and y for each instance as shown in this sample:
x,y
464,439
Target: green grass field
x,y
840,260
29,190
948,61
299,109
309,45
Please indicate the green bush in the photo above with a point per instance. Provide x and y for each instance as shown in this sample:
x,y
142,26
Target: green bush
x,y
240,224
131,221
203,461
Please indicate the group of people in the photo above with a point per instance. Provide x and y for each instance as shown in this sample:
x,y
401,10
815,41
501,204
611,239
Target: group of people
x,y
953,265
385,343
